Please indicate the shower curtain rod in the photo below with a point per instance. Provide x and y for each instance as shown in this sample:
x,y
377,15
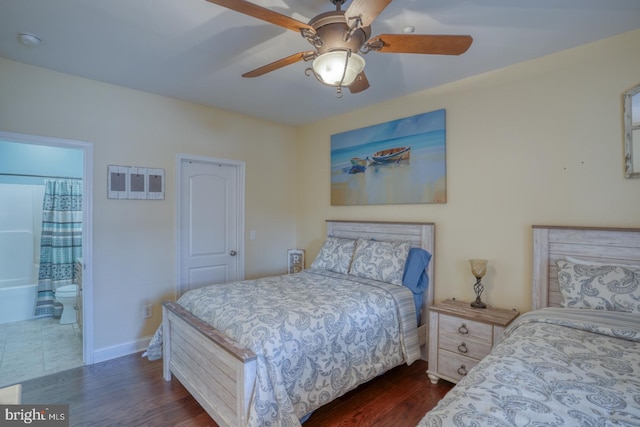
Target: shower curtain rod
x,y
38,176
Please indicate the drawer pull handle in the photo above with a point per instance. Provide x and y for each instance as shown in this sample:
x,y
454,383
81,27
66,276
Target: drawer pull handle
x,y
463,329
462,348
462,370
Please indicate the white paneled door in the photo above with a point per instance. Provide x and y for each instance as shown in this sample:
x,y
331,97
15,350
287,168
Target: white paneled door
x,y
210,216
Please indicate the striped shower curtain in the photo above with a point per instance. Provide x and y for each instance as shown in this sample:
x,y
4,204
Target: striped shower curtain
x,y
61,242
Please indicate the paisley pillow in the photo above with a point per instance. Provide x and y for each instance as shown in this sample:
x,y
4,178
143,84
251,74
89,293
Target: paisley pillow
x,y
335,255
601,287
575,260
383,261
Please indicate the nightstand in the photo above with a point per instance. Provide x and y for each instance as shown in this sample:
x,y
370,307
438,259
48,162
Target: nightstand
x,y
460,336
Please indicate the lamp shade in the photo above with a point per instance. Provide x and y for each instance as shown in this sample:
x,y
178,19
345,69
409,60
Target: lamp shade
x,y
478,267
330,67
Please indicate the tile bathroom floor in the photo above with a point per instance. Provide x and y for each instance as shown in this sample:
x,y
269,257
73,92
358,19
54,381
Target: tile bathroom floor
x,y
33,348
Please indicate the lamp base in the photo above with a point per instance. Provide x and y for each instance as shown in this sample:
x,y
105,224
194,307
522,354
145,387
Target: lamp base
x,y
478,304
478,288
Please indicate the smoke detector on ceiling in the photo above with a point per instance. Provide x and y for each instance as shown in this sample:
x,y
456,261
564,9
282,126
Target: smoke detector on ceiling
x,y
29,39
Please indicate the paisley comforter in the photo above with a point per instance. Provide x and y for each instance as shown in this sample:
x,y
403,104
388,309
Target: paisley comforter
x,y
553,367
316,335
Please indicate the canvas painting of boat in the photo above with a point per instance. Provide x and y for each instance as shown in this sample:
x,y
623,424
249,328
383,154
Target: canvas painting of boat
x,y
397,162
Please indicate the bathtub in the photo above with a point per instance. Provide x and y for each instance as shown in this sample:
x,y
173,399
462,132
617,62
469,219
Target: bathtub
x,y
17,300
18,276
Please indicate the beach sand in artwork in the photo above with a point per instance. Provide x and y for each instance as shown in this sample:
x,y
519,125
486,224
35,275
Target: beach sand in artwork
x,y
421,179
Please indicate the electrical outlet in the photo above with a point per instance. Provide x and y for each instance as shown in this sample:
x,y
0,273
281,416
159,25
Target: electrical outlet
x,y
146,311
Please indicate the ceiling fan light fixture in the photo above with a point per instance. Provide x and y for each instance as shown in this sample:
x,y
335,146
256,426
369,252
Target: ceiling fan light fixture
x,y
338,67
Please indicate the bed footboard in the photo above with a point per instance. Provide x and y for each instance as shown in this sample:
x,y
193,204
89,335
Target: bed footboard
x,y
215,369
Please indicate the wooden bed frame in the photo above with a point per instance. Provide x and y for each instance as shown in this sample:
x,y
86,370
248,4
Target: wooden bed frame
x,y
602,245
219,373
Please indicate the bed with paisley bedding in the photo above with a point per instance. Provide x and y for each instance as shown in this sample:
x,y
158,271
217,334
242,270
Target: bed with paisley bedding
x,y
268,352
574,360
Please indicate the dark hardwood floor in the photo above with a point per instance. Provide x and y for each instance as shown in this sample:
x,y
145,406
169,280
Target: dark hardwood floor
x,y
130,391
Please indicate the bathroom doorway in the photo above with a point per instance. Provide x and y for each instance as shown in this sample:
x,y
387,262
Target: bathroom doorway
x,y
26,161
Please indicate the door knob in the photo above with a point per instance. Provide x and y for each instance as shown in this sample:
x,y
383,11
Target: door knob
x,y
233,253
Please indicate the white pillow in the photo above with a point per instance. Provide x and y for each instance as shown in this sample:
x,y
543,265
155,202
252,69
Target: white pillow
x,y
602,287
335,255
383,261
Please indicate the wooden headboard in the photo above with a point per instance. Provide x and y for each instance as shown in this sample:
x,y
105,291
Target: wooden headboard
x,y
420,235
602,245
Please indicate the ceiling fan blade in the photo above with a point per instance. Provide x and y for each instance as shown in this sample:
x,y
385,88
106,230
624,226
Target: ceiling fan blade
x,y
366,10
292,59
360,83
428,44
265,14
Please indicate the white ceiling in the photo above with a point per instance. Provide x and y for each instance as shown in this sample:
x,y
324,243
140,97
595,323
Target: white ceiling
x,y
197,51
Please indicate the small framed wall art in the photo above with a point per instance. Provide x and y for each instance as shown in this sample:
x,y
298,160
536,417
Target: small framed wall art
x,y
117,182
134,182
296,260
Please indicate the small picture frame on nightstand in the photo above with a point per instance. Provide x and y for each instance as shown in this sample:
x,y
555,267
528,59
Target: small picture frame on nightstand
x,y
295,260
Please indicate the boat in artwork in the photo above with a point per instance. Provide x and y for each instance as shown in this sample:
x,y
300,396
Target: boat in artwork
x,y
357,161
358,165
391,155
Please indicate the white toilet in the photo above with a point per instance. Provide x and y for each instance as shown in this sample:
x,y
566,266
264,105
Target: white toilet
x,y
66,295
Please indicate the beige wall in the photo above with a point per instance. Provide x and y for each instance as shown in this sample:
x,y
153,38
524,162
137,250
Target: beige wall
x,y
535,143
134,241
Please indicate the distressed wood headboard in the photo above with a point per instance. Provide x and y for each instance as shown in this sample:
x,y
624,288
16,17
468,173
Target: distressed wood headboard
x,y
420,234
598,244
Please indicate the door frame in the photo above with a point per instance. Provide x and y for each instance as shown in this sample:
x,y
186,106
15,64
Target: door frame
x,y
240,191
87,227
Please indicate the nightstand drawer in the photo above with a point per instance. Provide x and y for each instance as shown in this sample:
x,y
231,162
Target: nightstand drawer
x,y
466,328
464,345
454,366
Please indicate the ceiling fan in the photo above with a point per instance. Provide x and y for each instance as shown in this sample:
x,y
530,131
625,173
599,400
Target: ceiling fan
x,y
339,36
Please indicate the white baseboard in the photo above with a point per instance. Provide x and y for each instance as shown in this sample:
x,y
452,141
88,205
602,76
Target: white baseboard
x,y
120,350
